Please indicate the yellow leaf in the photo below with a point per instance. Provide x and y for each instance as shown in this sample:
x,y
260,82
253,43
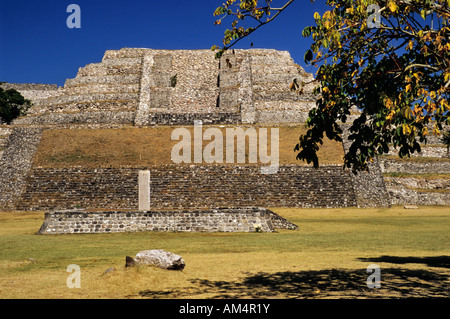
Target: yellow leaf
x,y
447,77
406,129
316,15
393,6
390,115
432,94
407,112
436,130
388,103
410,45
408,88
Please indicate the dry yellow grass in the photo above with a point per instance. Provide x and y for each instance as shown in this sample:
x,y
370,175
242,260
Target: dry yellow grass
x,y
326,257
148,146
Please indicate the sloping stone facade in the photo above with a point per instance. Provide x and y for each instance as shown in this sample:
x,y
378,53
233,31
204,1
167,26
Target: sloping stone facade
x,y
146,87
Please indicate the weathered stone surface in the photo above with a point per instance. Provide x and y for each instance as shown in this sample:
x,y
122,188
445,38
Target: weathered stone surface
x,y
240,186
240,219
16,162
160,258
139,81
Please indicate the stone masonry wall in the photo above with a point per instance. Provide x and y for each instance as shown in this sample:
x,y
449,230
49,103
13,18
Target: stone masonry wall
x,y
210,220
421,188
16,163
5,132
188,187
369,187
32,92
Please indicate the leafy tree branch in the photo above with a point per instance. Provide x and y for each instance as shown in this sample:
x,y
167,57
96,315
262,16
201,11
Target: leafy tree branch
x,y
388,58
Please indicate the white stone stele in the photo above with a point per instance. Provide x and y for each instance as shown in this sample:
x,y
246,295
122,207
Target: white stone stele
x,y
144,190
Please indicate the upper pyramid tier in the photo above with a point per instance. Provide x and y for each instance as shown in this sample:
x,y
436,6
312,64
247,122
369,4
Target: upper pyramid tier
x,y
145,86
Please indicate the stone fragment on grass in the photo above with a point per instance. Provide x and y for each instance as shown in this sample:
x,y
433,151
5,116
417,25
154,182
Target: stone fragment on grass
x,y
158,258
109,270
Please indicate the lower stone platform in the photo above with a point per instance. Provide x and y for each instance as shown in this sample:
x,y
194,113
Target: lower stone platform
x,y
209,220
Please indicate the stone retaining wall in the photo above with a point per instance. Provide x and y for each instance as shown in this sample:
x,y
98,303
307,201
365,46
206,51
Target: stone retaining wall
x,y
402,191
16,163
211,220
98,117
369,187
395,166
420,189
188,187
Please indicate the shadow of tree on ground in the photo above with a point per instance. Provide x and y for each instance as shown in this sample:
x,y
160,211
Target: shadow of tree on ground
x,y
331,283
435,261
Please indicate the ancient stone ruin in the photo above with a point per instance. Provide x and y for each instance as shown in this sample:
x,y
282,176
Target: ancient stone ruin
x,y
145,88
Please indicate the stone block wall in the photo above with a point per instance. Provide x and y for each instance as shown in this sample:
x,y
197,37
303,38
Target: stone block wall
x,y
16,163
421,188
5,132
272,74
395,166
103,118
369,186
210,220
188,187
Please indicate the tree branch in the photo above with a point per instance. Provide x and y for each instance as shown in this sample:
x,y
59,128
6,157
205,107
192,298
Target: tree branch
x,y
261,24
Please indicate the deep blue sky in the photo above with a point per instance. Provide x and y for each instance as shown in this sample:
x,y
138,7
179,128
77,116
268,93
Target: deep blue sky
x,y
36,46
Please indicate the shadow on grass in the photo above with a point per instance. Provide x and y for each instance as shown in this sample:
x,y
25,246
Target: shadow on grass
x,y
435,261
332,283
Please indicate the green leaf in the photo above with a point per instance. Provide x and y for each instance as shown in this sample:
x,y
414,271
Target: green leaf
x,y
306,32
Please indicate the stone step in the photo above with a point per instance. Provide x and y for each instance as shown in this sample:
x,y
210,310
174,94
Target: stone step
x,y
106,79
102,118
272,60
100,69
125,53
277,96
103,89
89,98
122,61
105,105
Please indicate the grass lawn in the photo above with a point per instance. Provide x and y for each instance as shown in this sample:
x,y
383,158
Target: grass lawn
x,y
327,257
